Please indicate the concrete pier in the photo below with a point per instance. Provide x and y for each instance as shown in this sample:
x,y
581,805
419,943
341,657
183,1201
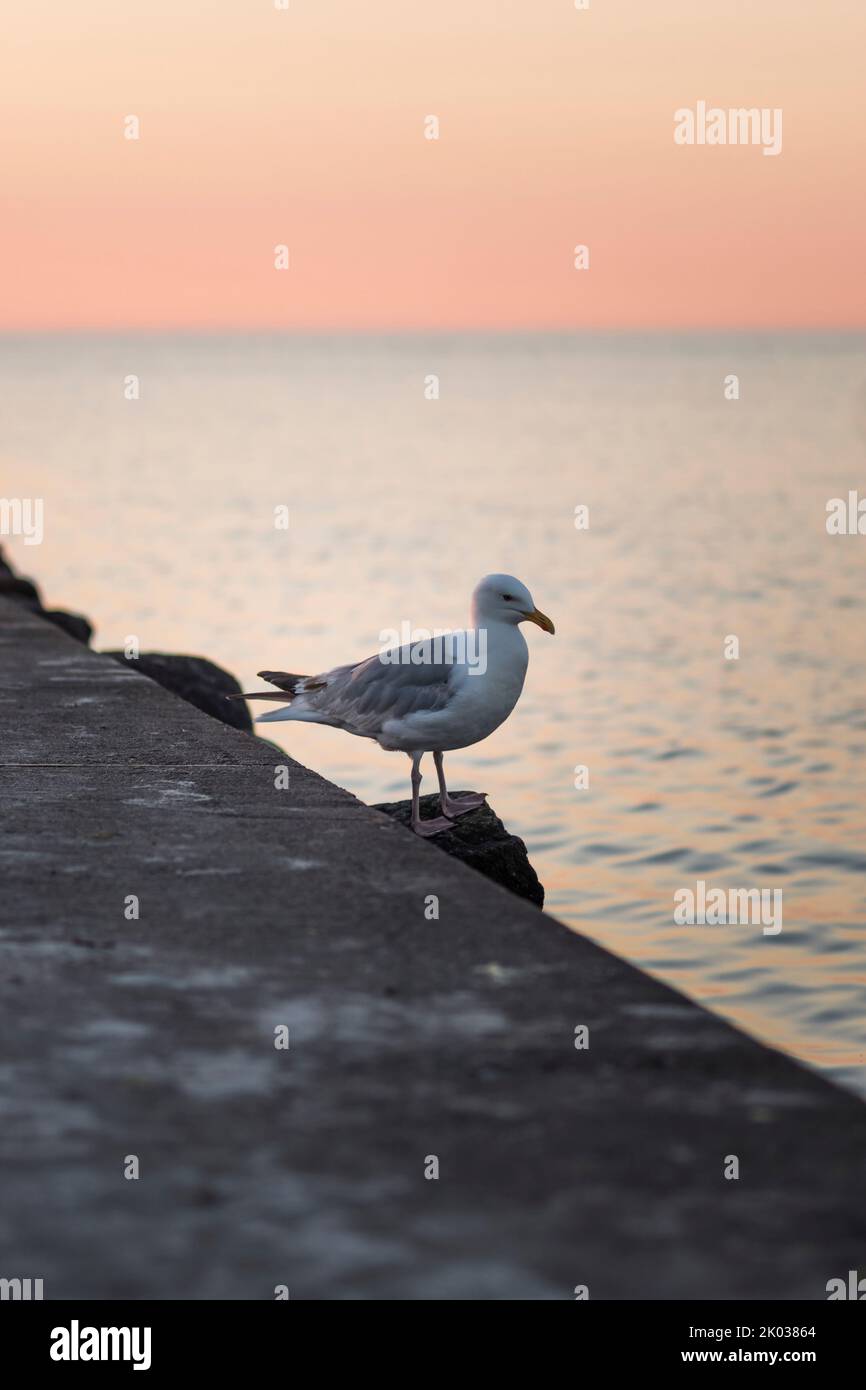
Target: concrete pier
x,y
415,1042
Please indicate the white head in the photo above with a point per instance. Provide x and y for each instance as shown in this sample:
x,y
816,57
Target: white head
x,y
500,598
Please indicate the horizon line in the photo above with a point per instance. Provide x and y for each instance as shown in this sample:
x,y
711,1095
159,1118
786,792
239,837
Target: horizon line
x,y
517,330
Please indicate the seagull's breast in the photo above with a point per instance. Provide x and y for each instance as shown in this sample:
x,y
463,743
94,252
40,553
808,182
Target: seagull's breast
x,y
482,694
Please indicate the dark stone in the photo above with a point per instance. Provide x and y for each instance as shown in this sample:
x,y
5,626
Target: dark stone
x,y
194,678
74,623
20,590
24,591
481,841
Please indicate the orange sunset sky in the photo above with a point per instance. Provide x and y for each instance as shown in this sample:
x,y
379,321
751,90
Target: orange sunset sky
x,y
305,126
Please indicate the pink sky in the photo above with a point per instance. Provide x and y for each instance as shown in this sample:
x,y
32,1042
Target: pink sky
x,y
305,127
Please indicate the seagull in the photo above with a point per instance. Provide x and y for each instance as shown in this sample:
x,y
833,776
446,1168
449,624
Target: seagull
x,y
429,696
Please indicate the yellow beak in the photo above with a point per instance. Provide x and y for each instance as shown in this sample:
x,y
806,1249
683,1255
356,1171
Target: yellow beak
x,y
536,616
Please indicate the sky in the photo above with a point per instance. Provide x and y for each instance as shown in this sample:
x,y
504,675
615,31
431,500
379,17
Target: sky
x,y
305,127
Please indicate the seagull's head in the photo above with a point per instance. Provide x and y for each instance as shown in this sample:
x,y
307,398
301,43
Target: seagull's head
x,y
500,598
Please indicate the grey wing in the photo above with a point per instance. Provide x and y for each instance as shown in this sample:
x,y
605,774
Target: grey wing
x,y
364,697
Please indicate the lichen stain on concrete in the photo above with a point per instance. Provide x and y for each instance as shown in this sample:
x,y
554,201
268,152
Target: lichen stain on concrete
x,y
166,793
215,1076
353,1019
220,978
118,1030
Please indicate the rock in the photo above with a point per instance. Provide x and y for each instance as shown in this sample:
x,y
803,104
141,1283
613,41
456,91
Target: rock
x,y
19,590
24,591
74,623
481,841
194,678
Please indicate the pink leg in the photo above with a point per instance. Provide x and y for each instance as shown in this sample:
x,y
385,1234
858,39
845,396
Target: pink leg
x,y
454,806
423,827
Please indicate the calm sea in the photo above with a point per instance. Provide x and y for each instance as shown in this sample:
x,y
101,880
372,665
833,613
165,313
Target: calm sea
x,y
706,521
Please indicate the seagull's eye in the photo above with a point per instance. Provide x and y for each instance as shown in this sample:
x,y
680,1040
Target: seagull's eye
x,y
509,598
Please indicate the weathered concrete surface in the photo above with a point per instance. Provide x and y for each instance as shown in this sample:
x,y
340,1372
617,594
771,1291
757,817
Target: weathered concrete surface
x,y
409,1038
480,840
194,678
